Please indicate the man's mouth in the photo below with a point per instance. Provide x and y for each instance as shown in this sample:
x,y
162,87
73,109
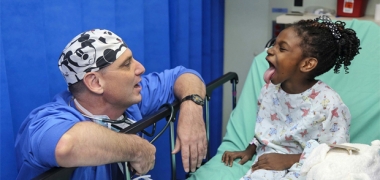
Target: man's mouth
x,y
137,85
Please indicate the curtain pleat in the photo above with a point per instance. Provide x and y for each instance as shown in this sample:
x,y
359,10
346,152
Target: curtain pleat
x,y
215,67
161,34
7,154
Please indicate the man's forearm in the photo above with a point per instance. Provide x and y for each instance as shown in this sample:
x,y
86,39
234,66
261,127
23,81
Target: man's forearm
x,y
89,144
187,84
191,132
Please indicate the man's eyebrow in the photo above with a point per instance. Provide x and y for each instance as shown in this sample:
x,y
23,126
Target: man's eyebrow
x,y
129,58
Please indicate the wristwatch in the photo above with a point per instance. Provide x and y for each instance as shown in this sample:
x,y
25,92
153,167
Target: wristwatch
x,y
195,98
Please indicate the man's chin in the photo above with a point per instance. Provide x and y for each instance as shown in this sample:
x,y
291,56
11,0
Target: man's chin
x,y
134,101
137,99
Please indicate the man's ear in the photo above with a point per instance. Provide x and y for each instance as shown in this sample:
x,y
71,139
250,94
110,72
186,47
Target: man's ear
x,y
308,64
92,80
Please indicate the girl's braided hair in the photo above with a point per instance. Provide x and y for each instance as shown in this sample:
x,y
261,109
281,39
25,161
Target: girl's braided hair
x,y
329,42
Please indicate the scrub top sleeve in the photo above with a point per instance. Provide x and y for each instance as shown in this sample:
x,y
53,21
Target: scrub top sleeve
x,y
158,88
45,133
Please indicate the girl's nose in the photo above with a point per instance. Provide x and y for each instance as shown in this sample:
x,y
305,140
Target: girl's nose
x,y
270,51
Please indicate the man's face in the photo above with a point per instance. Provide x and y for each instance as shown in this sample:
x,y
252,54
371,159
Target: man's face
x,y
121,81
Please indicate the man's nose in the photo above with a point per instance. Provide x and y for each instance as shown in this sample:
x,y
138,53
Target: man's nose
x,y
140,69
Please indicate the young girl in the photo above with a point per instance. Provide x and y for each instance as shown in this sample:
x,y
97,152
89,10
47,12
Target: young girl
x,y
295,110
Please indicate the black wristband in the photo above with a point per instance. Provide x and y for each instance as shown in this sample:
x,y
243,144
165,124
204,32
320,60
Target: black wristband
x,y
197,99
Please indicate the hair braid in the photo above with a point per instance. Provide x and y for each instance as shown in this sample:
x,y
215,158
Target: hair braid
x,y
331,50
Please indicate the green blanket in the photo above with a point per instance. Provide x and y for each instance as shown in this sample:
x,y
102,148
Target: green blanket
x,y
360,90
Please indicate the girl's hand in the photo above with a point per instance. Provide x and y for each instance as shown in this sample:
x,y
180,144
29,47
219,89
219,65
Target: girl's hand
x,y
228,157
275,161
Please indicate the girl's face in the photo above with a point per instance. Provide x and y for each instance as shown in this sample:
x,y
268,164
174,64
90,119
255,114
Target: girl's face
x,y
285,57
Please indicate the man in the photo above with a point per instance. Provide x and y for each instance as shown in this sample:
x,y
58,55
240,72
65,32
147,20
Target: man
x,y
107,90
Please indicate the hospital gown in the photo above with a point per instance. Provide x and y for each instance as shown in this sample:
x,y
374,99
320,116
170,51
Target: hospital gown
x,y
296,123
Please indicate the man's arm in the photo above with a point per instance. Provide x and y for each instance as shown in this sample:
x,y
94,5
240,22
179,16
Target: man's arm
x,y
89,144
191,132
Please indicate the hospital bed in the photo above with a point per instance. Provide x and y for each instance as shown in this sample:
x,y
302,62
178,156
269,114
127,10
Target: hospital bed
x,y
168,112
360,90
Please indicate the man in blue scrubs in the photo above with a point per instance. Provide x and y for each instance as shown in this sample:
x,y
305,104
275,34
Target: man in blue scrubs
x,y
106,85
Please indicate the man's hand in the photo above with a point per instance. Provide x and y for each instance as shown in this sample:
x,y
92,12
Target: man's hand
x,y
191,135
144,159
275,161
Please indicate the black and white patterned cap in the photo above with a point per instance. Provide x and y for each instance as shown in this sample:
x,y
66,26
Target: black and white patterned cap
x,y
88,52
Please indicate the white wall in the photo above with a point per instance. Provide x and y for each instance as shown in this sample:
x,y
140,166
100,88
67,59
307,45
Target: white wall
x,y
246,32
248,26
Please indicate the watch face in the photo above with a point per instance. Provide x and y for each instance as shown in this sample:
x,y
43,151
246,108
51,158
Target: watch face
x,y
197,99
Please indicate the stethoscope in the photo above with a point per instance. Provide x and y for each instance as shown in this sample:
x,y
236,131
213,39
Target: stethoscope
x,y
112,121
109,122
103,120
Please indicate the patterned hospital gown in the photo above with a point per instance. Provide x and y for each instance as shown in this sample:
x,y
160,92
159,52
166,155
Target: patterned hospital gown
x,y
286,122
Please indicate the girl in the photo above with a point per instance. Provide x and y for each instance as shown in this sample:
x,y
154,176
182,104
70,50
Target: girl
x,y
295,110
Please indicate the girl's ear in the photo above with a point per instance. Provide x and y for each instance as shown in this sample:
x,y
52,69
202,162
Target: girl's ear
x,y
92,80
308,64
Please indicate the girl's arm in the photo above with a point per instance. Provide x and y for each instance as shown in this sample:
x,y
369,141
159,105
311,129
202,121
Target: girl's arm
x,y
275,161
229,156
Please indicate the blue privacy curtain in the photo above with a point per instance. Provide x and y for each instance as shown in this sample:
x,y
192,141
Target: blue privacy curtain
x,y
161,34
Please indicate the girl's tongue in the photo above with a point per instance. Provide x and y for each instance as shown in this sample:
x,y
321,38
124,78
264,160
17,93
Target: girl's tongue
x,y
268,74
